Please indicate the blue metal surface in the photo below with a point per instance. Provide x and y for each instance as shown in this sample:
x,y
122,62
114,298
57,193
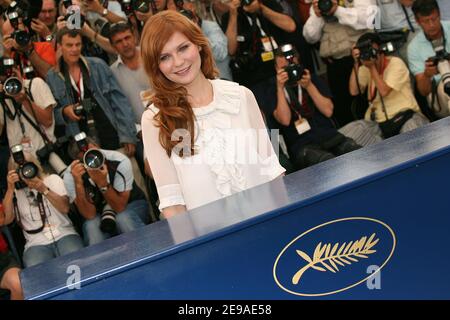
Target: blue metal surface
x,y
228,249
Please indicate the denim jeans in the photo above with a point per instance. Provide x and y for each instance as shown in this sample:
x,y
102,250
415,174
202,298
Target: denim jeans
x,y
133,217
38,254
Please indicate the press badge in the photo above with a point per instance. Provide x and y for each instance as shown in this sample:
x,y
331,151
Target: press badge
x,y
267,56
302,126
269,44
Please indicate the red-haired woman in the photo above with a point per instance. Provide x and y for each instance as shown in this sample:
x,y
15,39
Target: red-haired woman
x,y
204,138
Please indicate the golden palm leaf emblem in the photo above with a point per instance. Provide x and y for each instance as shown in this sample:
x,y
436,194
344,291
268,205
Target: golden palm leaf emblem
x,y
329,257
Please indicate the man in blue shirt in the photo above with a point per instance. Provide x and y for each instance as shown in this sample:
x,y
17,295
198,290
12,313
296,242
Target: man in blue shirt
x,y
431,39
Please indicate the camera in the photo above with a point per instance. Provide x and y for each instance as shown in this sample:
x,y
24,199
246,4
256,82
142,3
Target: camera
x,y
246,2
12,85
47,154
127,7
29,72
142,6
242,62
102,26
325,6
295,71
185,12
108,220
367,51
67,3
441,60
26,169
92,158
22,37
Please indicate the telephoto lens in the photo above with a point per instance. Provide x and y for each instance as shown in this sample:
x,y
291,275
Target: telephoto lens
x,y
108,221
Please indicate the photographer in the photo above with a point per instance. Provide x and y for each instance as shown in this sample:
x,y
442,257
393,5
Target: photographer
x,y
39,203
19,41
45,24
109,200
27,113
397,24
337,27
428,56
89,98
303,110
253,29
94,44
392,106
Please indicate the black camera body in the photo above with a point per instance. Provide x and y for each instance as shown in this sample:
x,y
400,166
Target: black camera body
x,y
244,61
26,169
127,7
295,71
325,6
246,2
442,61
441,55
142,6
367,51
86,107
67,3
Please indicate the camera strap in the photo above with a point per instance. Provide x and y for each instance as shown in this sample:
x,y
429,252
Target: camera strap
x,y
31,122
41,214
411,27
298,102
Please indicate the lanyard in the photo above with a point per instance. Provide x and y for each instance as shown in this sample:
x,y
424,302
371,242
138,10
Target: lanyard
x,y
373,91
78,86
41,213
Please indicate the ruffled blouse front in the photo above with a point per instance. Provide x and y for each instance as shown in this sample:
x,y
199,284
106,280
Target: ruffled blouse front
x,y
229,133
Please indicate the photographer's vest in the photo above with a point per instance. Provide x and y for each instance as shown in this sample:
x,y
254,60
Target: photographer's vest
x,y
337,39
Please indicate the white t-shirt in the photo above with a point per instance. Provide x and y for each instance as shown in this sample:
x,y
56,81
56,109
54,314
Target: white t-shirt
x,y
43,98
30,217
234,151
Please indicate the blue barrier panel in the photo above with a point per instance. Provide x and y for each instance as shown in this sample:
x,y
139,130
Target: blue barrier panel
x,y
372,224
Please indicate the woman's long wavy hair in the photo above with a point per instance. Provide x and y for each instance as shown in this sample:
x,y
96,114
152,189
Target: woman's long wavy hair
x,y
170,98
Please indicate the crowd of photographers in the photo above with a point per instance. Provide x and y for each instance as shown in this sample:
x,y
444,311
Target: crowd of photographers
x,y
71,77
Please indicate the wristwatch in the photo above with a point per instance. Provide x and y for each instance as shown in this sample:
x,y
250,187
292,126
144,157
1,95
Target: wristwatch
x,y
49,38
105,12
104,189
45,193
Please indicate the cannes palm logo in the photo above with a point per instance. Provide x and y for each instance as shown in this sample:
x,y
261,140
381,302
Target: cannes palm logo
x,y
334,256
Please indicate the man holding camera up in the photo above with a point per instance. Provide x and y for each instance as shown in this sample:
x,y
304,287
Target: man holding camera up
x,y
19,39
392,106
337,25
253,29
303,110
100,183
428,56
27,113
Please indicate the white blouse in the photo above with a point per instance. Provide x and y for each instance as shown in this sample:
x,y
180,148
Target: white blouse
x,y
232,151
